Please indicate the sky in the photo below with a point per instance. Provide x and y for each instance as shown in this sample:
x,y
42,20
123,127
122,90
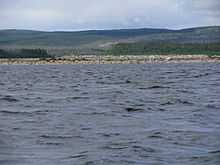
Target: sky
x,y
74,15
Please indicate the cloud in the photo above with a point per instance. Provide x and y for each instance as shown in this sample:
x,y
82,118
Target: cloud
x,y
107,14
209,8
203,6
204,12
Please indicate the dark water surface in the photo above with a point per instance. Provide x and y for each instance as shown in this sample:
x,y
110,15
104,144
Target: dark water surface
x,y
110,114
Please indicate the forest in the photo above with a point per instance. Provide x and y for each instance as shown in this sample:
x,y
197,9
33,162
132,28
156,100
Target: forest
x,y
141,48
24,53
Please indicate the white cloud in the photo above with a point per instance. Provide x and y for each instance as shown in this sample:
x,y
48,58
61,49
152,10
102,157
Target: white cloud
x,y
107,14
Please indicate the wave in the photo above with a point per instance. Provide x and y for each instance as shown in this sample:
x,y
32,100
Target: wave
x,y
133,109
8,99
14,112
58,136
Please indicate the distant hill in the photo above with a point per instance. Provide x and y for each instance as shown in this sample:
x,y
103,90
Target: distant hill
x,y
105,38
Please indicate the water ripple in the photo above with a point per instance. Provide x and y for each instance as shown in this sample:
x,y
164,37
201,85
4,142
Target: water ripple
x,y
110,114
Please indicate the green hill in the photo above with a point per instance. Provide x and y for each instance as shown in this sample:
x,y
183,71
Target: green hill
x,y
26,38
101,38
98,41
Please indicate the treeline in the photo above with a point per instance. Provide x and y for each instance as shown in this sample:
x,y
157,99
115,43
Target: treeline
x,y
24,53
138,48
141,48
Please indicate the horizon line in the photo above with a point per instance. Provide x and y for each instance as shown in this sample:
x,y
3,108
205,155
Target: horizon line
x,y
110,29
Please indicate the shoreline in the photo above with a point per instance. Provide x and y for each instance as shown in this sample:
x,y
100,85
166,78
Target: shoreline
x,y
127,59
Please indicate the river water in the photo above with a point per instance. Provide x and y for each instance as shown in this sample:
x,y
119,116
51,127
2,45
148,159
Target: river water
x,y
110,114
